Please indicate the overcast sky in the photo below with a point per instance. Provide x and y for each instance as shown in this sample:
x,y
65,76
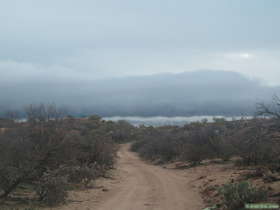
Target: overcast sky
x,y
91,39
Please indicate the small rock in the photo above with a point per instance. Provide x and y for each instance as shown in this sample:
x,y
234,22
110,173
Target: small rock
x,y
201,177
216,194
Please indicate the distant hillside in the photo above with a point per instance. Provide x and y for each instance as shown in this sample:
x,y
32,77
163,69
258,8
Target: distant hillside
x,y
189,93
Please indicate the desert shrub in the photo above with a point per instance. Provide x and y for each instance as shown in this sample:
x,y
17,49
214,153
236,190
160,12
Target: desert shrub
x,y
137,145
76,151
194,142
215,138
255,144
165,152
163,148
97,151
156,144
15,163
28,152
197,145
194,153
52,189
122,132
236,195
80,174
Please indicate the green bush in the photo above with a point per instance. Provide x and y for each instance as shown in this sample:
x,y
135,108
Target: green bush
x,y
236,195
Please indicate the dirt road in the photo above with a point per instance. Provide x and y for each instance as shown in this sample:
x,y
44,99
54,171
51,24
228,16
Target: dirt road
x,y
142,186
149,187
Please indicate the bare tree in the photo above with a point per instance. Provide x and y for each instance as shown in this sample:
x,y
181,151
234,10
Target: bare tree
x,y
272,110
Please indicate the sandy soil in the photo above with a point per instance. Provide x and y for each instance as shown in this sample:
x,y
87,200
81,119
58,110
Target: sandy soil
x,y
139,186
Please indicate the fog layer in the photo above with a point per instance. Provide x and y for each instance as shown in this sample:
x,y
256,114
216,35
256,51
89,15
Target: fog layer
x,y
190,93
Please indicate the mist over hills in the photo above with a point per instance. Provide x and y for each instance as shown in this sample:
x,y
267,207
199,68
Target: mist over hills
x,y
183,94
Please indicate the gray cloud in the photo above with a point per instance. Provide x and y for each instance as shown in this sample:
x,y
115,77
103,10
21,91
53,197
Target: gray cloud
x,y
84,41
164,94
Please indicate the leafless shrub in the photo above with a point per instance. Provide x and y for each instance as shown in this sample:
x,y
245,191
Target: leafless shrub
x,y
51,189
194,142
272,110
51,150
80,174
255,145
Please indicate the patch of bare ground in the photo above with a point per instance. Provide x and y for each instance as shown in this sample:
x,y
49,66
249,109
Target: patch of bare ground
x,y
89,198
209,177
79,197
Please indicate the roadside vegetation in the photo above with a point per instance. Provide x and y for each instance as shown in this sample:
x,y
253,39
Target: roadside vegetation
x,y
253,144
235,195
50,153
